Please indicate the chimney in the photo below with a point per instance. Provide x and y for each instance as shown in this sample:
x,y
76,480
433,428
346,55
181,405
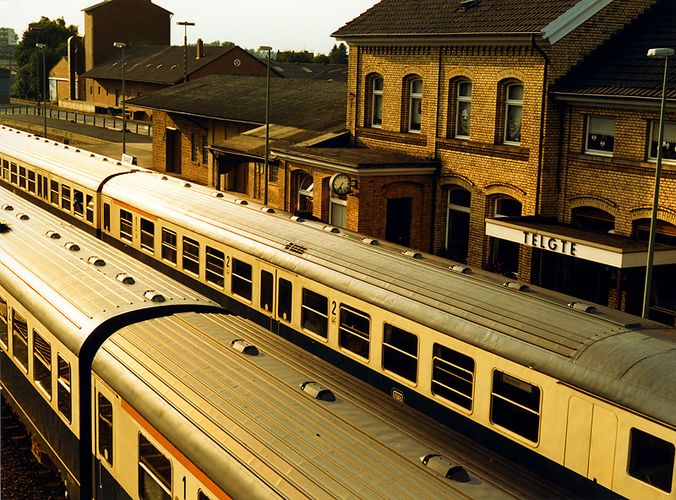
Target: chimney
x,y
200,48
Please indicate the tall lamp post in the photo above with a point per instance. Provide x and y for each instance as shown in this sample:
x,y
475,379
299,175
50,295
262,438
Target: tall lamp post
x,y
43,87
665,53
122,45
266,48
185,25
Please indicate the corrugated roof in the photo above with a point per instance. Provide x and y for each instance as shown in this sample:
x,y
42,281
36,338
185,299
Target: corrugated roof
x,y
305,104
156,64
621,66
444,17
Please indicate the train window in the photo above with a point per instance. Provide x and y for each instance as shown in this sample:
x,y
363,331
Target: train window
x,y
40,180
14,172
314,313
89,208
4,336
5,169
42,364
78,203
63,393
191,255
154,472
105,429
20,339
354,331
147,235
284,299
169,245
106,217
515,405
651,459
215,267
241,279
267,284
126,224
54,193
31,181
65,197
452,376
22,177
400,352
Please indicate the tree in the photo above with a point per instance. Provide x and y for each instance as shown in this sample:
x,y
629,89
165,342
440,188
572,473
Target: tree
x,y
54,34
338,54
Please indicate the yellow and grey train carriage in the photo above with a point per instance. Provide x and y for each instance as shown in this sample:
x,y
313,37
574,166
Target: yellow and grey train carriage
x,y
583,386
137,387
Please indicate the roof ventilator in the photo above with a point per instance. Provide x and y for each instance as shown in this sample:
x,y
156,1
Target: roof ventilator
x,y
53,235
96,261
370,241
7,207
241,345
104,159
187,185
296,218
317,391
581,306
241,202
4,227
21,216
125,278
331,229
457,268
412,254
154,296
165,178
516,286
299,249
446,468
73,247
217,194
268,210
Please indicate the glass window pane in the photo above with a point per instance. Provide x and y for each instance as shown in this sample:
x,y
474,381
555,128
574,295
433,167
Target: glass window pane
x,y
4,336
63,394
354,331
453,376
126,225
105,422
284,299
515,405
400,352
668,141
169,245
600,134
241,279
154,472
215,267
191,255
148,235
651,460
267,281
42,364
20,339
315,313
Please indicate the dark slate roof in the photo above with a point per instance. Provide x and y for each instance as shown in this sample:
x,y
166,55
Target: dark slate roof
x,y
100,4
156,64
621,67
306,104
311,71
448,17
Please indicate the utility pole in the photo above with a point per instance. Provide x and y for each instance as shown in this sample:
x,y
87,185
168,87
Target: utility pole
x,y
185,25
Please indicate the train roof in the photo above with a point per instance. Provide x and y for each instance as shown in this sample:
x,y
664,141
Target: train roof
x,y
253,410
66,161
617,356
74,279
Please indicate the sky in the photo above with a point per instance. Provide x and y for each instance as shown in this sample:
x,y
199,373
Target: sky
x,y
281,24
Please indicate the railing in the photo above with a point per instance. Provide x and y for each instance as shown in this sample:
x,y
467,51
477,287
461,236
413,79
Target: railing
x,y
103,121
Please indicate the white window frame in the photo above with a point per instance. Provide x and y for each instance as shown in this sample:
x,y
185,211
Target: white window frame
x,y
413,98
509,104
669,135
377,97
588,133
459,99
335,201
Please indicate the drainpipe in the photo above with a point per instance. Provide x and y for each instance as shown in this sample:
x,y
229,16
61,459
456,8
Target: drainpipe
x,y
545,58
356,94
436,177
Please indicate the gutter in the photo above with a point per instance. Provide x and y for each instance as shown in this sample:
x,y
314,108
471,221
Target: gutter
x,y
538,187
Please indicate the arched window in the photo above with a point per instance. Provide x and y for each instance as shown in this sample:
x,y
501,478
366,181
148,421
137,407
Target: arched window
x,y
413,93
457,223
513,99
461,105
305,187
593,219
374,101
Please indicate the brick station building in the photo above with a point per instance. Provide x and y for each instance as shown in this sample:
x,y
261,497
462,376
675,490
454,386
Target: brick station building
x,y
498,93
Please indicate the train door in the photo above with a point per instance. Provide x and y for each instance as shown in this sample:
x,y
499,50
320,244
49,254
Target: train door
x,y
275,297
104,441
590,441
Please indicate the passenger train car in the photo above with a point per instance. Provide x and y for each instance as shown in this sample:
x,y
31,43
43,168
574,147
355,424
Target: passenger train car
x,y
583,386
137,387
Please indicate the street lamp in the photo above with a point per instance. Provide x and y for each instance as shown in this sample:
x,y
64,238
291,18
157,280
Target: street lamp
x,y
665,53
122,45
43,86
267,49
185,25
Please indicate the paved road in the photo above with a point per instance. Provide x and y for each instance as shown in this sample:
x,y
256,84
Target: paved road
x,y
96,139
